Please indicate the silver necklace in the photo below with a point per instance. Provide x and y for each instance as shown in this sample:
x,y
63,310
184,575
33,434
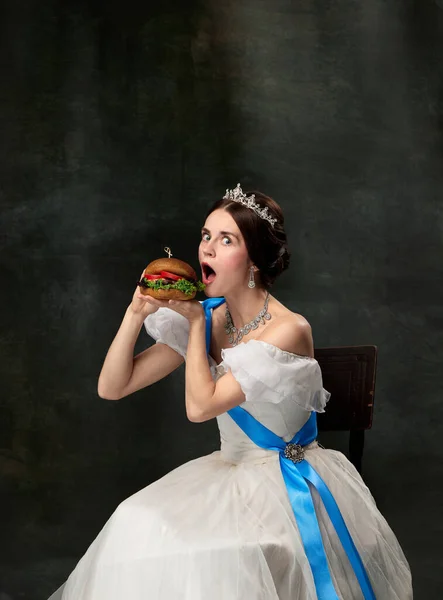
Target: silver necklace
x,y
235,335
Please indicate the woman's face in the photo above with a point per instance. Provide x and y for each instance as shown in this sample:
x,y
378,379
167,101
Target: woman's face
x,y
222,247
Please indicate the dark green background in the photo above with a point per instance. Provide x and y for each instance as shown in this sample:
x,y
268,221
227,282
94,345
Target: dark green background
x,y
120,124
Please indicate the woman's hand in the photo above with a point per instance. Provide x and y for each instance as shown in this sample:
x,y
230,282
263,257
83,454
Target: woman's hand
x,y
191,309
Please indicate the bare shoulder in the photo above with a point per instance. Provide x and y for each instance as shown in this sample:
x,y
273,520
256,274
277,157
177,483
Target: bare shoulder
x,y
287,330
290,332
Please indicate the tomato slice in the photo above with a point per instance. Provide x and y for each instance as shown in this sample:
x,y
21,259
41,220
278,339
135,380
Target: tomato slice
x,y
169,275
152,277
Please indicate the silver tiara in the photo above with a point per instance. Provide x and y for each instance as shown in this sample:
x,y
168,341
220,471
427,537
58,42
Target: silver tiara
x,y
237,195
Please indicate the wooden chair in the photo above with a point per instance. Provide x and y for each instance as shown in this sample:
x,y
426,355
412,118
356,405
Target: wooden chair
x,y
349,375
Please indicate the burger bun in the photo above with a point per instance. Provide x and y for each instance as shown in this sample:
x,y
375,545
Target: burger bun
x,y
175,266
167,294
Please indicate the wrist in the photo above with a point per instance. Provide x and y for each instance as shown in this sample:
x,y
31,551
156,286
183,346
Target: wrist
x,y
198,321
133,315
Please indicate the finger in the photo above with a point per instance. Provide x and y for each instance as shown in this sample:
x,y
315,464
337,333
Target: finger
x,y
151,299
181,306
179,303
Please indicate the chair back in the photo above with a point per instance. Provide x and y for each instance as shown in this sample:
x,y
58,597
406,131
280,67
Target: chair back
x,y
349,375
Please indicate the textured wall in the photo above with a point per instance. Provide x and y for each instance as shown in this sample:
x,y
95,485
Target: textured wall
x,y
119,125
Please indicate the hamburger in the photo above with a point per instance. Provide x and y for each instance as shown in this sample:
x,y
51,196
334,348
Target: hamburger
x,y
170,279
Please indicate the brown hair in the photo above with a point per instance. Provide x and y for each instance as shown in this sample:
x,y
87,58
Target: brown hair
x,y
266,245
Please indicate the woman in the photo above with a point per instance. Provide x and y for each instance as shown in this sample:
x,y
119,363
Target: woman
x,y
271,515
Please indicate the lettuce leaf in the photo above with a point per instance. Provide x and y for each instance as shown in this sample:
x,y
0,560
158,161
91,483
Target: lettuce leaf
x,y
182,284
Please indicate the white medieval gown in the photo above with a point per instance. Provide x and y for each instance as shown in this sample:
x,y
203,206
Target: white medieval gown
x,y
221,527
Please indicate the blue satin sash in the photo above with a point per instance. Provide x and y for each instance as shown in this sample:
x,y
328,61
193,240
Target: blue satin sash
x,y
297,477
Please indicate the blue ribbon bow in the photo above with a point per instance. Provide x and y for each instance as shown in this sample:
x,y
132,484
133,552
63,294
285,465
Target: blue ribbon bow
x,y
296,476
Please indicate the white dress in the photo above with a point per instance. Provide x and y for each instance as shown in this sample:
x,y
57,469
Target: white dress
x,y
221,527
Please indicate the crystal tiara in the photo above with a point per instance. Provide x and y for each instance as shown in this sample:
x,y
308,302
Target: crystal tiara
x,y
237,195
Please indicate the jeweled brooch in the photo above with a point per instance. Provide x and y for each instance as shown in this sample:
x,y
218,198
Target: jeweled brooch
x,y
294,452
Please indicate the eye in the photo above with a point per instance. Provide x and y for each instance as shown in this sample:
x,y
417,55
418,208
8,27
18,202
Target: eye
x,y
203,236
226,238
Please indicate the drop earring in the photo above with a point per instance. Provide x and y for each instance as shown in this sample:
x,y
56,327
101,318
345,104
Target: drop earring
x,y
251,283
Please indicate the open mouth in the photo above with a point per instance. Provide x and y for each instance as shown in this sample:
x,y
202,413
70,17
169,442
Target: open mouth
x,y
208,274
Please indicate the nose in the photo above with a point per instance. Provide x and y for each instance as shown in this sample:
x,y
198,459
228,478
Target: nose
x,y
208,250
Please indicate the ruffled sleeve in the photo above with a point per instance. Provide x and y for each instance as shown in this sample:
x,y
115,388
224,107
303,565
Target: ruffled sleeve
x,y
268,374
169,327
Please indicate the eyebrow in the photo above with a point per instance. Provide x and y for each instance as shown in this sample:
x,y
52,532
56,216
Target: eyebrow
x,y
204,230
